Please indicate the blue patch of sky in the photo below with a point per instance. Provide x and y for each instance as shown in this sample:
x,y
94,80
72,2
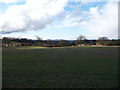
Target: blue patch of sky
x,y
5,6
60,33
17,3
79,7
71,6
84,7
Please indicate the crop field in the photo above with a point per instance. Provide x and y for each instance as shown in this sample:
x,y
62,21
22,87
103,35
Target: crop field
x,y
67,67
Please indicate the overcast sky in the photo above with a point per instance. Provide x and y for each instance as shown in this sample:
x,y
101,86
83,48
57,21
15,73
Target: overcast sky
x,y
59,19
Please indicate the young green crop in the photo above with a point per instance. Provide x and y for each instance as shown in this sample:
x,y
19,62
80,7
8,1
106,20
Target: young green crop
x,y
70,67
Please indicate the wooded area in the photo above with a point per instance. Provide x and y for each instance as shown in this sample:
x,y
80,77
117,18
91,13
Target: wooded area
x,y
81,41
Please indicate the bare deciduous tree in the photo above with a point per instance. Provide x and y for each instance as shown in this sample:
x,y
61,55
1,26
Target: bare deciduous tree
x,y
81,37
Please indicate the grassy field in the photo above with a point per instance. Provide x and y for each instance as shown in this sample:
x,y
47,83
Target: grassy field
x,y
70,67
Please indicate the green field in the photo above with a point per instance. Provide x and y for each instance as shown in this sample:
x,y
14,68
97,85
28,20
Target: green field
x,y
70,67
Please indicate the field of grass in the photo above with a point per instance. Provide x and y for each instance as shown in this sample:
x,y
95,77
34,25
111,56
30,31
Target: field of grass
x,y
70,67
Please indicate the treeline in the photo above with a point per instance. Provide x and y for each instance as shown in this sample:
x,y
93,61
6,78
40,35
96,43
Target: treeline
x,y
81,41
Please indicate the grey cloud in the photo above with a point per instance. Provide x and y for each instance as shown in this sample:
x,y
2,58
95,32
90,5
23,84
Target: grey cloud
x,y
31,17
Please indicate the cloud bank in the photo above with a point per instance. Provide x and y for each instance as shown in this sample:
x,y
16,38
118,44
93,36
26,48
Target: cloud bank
x,y
104,22
39,14
97,21
33,15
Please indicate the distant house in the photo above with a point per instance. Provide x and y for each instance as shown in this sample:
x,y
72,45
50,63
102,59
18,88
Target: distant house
x,y
12,44
16,44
